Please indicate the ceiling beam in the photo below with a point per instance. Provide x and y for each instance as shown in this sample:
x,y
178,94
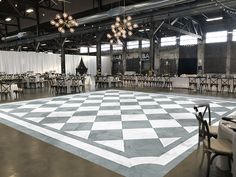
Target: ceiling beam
x,y
193,9
181,31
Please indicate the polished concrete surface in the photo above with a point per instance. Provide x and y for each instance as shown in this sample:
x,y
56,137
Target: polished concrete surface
x,y
24,156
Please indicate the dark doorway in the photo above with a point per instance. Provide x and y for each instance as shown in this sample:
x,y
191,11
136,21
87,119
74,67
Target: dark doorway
x,y
187,66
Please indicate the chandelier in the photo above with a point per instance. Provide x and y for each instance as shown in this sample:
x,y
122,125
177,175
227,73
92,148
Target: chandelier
x,y
121,29
64,21
224,7
61,22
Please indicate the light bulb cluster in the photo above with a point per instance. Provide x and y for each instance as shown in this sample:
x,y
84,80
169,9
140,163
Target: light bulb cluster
x,y
224,7
121,29
64,21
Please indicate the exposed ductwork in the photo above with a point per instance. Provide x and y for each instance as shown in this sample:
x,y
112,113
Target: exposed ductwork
x,y
14,37
131,9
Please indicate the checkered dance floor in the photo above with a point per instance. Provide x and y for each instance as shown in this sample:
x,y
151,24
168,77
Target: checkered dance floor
x,y
132,133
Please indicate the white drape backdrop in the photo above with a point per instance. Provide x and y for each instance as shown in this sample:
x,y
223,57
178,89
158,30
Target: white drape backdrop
x,y
20,62
72,61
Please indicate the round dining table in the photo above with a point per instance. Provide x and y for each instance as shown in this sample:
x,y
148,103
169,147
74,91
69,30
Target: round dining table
x,y
226,131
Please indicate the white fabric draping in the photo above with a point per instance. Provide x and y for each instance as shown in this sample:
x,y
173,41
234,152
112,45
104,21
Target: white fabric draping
x,y
20,62
72,61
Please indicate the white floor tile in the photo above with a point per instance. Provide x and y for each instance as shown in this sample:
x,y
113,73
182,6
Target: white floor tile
x,y
130,107
82,134
154,111
134,117
164,123
71,105
144,103
81,119
115,144
88,108
184,102
171,106
142,133
114,125
44,110
190,129
61,114
108,112
183,115
167,141
30,106
57,126
111,104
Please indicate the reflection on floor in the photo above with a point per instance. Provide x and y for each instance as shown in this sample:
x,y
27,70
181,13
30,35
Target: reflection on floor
x,y
25,156
132,133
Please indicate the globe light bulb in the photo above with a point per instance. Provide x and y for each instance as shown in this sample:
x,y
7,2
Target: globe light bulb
x,y
70,18
109,36
52,22
128,24
125,21
135,25
124,36
130,28
129,18
118,19
58,16
61,21
117,24
112,26
57,24
130,33
65,15
72,30
111,41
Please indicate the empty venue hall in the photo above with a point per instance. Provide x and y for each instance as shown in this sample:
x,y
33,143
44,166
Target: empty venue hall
x,y
117,88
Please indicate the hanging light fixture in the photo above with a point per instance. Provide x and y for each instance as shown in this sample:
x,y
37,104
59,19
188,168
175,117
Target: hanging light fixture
x,y
64,21
121,28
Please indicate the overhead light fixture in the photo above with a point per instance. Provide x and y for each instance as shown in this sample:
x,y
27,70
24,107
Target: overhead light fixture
x,y
61,22
43,44
30,10
214,19
8,19
121,29
25,47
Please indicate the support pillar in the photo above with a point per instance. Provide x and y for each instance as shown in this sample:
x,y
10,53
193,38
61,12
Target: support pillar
x,y
99,58
63,60
124,56
152,51
228,54
201,56
140,55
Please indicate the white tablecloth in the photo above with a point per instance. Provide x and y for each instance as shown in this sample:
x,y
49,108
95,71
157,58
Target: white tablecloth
x,y
227,133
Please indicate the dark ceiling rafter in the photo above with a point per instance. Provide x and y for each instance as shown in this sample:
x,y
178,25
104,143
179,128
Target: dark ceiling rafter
x,y
196,8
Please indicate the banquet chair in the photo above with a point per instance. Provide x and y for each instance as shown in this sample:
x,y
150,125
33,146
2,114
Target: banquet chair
x,y
214,147
225,83
192,83
214,82
203,84
213,129
5,89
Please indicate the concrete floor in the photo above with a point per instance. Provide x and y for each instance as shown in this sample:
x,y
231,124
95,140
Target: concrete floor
x,y
24,156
